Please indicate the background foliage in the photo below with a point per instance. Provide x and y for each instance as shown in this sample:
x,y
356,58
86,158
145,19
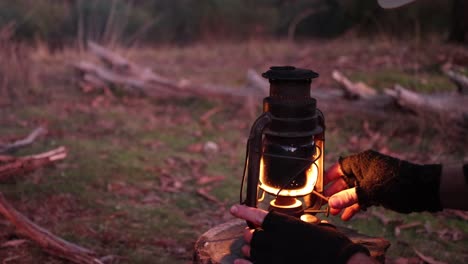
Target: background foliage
x,y
183,21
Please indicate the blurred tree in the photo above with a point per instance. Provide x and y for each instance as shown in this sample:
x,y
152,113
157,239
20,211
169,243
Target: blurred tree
x,y
459,27
126,22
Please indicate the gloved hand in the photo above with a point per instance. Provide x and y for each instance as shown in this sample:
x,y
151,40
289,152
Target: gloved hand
x,y
395,184
285,239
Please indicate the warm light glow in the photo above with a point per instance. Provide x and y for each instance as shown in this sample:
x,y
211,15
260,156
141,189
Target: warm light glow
x,y
312,175
296,204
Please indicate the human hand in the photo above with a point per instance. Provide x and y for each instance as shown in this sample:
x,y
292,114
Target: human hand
x,y
342,198
284,239
253,215
371,178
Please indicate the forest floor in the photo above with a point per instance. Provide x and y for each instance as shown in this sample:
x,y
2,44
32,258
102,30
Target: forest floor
x,y
135,182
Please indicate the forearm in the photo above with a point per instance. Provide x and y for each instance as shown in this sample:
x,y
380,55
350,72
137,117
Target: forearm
x,y
454,187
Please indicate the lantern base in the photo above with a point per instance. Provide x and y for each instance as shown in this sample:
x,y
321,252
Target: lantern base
x,y
287,205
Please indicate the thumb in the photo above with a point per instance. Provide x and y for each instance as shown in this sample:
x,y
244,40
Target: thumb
x,y
343,199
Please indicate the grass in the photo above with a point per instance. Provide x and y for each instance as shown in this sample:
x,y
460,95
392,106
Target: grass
x,y
108,193
418,238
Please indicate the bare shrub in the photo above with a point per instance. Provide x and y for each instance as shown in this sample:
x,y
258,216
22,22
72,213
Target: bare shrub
x,y
17,75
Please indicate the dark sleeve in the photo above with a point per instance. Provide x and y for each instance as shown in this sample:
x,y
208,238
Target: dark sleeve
x,y
465,172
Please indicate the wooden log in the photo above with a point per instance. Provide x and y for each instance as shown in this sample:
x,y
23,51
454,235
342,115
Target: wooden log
x,y
47,241
113,59
449,105
12,166
36,133
257,83
353,90
222,244
151,85
124,66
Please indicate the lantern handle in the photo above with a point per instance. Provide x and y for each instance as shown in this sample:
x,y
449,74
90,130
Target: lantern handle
x,y
252,163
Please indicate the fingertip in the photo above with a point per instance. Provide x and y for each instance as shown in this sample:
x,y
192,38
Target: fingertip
x,y
334,211
350,211
234,209
246,250
344,198
248,233
332,201
332,173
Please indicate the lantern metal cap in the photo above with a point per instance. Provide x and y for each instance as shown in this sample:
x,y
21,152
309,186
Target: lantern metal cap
x,y
289,73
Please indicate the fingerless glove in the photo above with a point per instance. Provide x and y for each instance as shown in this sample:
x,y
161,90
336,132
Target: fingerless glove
x,y
393,183
284,239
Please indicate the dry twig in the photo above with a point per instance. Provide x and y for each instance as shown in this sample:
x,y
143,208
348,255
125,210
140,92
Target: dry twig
x,y
353,90
460,80
9,147
13,166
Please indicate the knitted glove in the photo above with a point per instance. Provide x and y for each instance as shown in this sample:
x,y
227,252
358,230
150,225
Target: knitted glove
x,y
284,239
395,184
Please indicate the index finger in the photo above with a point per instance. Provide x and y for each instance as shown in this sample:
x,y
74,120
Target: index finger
x,y
254,215
333,173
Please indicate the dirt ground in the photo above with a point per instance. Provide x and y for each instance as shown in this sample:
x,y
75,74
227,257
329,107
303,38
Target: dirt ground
x,y
145,177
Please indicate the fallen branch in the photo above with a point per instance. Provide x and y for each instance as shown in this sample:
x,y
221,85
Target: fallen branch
x,y
9,147
448,105
111,58
123,66
385,220
50,243
146,79
460,80
402,227
12,166
257,83
204,192
142,80
453,107
427,259
351,89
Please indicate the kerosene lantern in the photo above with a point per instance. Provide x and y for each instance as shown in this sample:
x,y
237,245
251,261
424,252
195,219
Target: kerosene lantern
x,y
285,149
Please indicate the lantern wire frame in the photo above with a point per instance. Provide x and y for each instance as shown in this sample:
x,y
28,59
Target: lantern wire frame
x,y
291,179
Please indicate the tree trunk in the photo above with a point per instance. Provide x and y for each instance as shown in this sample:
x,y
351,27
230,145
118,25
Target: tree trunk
x,y
459,21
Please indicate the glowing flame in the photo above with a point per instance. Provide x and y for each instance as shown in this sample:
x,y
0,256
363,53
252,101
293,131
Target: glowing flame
x,y
311,180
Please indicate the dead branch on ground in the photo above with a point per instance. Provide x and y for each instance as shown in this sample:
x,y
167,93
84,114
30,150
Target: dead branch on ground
x,y
455,75
454,107
13,166
117,70
353,90
448,105
9,147
49,242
